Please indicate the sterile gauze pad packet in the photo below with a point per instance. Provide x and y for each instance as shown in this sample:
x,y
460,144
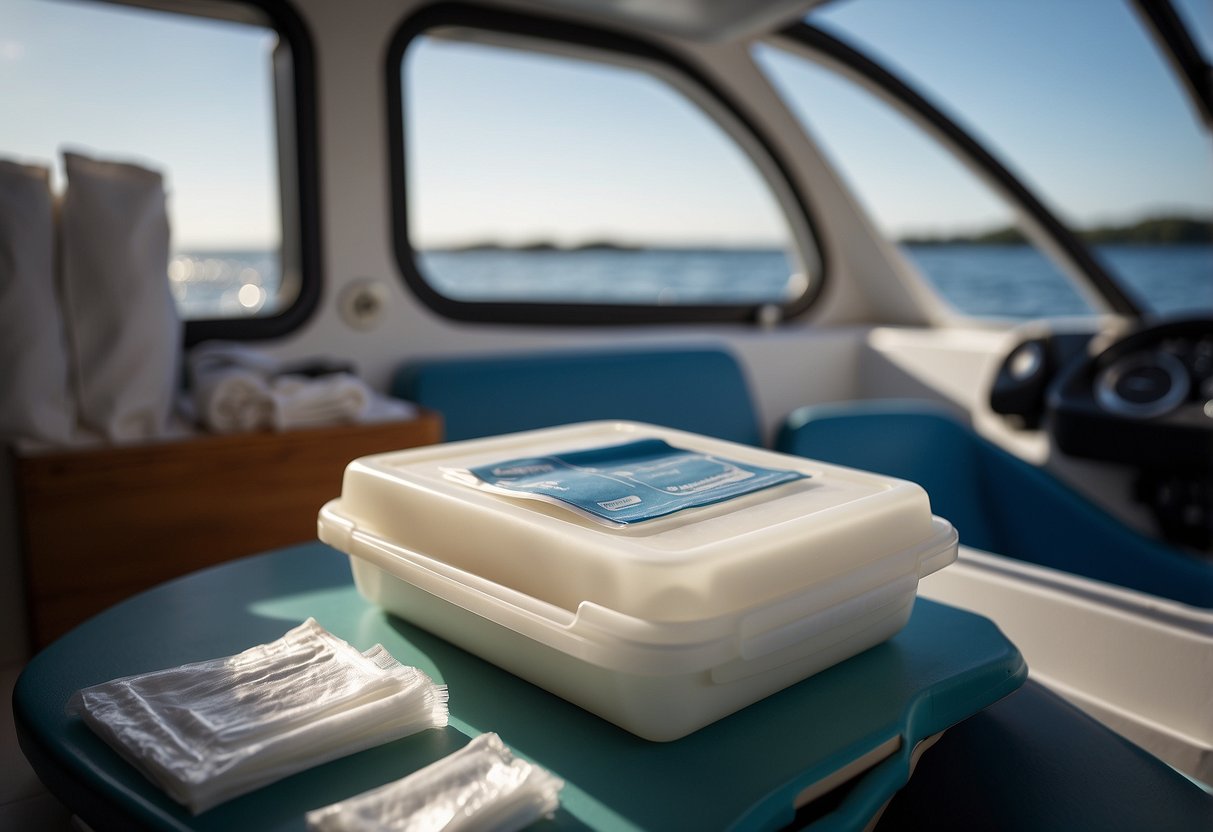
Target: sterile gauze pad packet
x,y
210,731
480,787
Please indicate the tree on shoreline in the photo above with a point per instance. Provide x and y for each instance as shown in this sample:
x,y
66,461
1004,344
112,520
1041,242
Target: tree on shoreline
x,y
1171,230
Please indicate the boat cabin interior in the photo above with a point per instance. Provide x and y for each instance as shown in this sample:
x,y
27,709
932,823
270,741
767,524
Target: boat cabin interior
x,y
244,243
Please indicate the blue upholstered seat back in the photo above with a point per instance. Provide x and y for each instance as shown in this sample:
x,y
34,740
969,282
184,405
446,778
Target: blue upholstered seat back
x,y
997,501
700,390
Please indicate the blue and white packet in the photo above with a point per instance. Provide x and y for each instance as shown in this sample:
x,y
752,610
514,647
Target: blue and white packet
x,y
620,485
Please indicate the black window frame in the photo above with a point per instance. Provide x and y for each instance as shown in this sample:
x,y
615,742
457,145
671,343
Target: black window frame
x,y
1189,63
283,19
537,27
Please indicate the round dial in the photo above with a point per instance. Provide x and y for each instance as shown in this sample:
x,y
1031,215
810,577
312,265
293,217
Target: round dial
x,y
1142,385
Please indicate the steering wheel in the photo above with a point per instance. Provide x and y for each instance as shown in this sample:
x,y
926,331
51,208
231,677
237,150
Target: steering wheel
x,y
1145,401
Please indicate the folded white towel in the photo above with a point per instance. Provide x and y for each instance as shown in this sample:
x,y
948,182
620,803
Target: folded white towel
x,y
217,355
237,389
300,402
232,400
388,409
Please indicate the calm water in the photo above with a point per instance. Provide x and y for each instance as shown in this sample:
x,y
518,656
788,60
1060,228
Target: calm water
x,y
658,276
213,284
1006,281
1020,282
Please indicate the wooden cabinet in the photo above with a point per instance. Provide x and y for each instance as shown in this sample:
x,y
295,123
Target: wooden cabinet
x,y
100,524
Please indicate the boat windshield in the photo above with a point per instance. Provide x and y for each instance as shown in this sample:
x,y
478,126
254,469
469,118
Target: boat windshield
x,y
1079,102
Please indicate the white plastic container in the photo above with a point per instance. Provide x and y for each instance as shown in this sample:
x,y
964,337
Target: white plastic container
x,y
662,627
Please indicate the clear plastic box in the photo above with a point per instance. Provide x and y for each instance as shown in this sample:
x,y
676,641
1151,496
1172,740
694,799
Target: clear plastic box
x,y
661,627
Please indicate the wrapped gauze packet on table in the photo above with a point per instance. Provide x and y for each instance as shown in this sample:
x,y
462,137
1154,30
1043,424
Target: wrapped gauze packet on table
x,y
480,787
210,731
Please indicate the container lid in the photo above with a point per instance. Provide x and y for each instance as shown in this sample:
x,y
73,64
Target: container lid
x,y
695,563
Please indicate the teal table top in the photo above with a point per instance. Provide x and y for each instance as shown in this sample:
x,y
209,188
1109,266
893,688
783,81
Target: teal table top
x,y
742,772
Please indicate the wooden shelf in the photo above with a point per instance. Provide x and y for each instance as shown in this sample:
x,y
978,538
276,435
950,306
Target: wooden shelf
x,y
101,524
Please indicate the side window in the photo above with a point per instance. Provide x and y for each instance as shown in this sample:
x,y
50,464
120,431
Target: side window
x,y
959,233
192,97
534,178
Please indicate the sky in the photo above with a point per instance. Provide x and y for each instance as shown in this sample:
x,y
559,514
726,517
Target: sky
x,y
595,152
516,147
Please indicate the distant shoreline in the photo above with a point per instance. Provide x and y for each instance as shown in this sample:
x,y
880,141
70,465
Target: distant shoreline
x,y
920,242
1156,231
539,247
912,242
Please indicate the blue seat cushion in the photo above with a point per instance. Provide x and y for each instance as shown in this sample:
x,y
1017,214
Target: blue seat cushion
x,y
997,501
700,390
